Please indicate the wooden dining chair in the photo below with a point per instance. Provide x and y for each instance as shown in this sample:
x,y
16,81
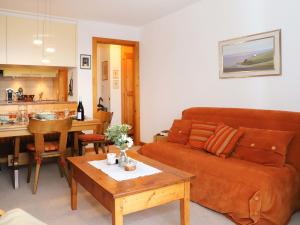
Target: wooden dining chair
x,y
41,149
97,138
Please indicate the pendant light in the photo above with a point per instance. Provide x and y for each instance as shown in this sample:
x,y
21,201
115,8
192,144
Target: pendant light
x,y
49,47
45,60
36,39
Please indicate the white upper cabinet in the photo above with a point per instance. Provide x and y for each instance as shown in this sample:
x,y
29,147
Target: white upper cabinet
x,y
58,35
2,39
62,38
20,48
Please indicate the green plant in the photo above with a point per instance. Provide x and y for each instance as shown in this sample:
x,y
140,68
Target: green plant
x,y
118,134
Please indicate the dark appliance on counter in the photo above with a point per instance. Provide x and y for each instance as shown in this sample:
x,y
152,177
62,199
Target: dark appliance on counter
x,y
19,94
9,95
28,98
101,106
23,98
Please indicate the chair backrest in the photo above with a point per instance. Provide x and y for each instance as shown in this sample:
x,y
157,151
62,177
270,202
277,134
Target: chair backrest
x,y
40,127
105,118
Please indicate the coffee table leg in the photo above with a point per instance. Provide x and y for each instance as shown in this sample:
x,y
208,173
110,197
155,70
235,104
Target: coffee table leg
x,y
185,205
117,214
73,193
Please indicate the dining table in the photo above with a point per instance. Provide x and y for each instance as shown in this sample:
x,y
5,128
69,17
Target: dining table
x,y
17,130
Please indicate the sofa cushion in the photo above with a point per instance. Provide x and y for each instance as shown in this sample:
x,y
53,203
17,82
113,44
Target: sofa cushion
x,y
91,137
267,147
200,133
49,146
223,141
180,131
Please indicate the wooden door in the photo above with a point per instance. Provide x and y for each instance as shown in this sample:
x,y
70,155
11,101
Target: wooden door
x,y
133,95
127,91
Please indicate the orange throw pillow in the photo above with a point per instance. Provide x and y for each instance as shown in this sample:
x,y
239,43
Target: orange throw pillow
x,y
200,133
180,131
267,147
223,141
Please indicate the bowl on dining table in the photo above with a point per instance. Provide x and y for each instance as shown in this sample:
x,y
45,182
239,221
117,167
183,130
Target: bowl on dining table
x,y
46,116
4,118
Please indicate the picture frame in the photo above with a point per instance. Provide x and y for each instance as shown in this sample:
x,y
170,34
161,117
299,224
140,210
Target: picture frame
x,y
115,74
105,70
116,84
251,56
85,61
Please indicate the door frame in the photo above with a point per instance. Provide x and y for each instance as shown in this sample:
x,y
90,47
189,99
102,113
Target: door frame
x,y
135,45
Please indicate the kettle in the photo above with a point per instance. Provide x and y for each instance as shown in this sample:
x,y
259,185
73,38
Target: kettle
x,y
9,95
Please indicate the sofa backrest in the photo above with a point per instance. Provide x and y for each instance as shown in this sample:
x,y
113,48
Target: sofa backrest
x,y
264,119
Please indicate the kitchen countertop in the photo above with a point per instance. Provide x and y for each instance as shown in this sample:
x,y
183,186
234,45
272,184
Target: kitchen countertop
x,y
36,102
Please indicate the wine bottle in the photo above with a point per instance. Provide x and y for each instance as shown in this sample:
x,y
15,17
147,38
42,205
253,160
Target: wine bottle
x,y
80,110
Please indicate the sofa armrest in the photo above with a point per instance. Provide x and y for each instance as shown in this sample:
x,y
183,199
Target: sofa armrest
x,y
255,206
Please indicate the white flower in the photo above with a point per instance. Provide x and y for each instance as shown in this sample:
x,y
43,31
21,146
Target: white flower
x,y
119,135
124,137
129,142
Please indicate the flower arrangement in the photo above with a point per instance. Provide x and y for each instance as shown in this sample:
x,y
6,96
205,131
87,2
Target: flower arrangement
x,y
118,134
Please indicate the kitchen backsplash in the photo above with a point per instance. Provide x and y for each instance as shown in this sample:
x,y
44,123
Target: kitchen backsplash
x,y
31,86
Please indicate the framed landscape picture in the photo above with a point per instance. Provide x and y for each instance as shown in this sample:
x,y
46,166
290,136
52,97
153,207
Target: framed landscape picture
x,y
254,55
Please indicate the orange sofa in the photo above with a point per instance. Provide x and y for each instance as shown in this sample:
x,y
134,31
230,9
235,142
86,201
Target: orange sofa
x,y
246,192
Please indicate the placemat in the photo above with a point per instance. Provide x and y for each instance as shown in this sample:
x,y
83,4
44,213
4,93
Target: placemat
x,y
119,174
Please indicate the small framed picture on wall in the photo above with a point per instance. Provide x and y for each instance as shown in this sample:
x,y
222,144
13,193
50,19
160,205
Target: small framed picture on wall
x,y
85,61
105,70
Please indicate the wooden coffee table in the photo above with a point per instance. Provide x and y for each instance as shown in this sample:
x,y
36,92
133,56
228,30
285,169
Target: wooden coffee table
x,y
121,198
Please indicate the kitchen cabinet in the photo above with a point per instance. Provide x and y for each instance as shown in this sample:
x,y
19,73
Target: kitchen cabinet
x,y
61,85
28,71
2,39
20,47
21,32
63,39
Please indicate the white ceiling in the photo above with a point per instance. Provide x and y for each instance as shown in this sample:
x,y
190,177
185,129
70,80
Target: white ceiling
x,y
129,12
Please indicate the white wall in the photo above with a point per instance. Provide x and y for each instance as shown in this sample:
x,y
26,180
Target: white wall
x,y
106,89
86,30
115,92
179,60
100,54
103,89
